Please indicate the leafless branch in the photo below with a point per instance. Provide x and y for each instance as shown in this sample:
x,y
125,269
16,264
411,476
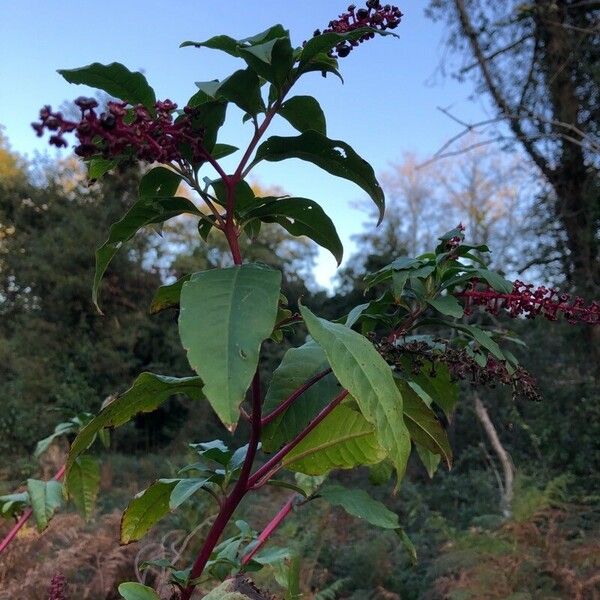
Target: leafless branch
x,y
498,52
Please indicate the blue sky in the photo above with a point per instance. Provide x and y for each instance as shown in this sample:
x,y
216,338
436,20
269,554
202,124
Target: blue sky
x,y
387,105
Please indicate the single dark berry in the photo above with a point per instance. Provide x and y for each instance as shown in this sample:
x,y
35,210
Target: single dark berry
x,y
352,7
86,103
317,32
362,13
373,4
108,120
343,51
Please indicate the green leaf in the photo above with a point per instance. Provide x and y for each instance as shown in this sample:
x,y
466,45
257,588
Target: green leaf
x,y
484,339
272,60
136,591
145,211
146,509
301,216
243,195
438,388
334,156
359,504
159,181
423,426
304,113
343,440
496,281
243,89
83,484
60,430
222,150
208,117
148,392
11,505
99,166
380,473
363,372
185,489
447,305
167,296
298,366
220,42
225,315
45,498
116,80
324,42
430,460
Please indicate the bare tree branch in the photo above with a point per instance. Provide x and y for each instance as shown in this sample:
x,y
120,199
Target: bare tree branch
x,y
494,90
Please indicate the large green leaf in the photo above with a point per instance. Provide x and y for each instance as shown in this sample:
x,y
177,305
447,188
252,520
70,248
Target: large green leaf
x,y
224,317
343,440
145,211
272,60
304,113
243,89
83,484
146,509
45,497
301,216
146,394
334,156
208,117
368,378
132,590
116,80
359,504
297,367
160,181
496,280
325,42
447,305
423,426
432,384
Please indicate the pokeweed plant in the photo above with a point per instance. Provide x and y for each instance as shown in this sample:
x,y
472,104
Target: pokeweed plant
x,y
362,390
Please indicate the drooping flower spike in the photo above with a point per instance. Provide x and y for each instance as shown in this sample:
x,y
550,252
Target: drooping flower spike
x,y
374,16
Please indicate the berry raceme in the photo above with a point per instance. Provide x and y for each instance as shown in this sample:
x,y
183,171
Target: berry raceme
x,y
123,131
529,301
374,16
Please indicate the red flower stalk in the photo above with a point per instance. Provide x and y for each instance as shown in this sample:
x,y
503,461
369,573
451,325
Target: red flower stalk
x,y
120,131
373,16
58,588
529,301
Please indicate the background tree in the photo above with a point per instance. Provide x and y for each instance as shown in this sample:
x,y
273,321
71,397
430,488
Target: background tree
x,y
538,64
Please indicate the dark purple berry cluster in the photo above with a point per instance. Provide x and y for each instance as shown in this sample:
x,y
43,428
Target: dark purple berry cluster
x,y
529,301
413,357
120,131
374,16
58,588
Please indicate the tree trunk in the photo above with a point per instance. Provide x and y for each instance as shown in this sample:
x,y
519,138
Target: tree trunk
x,y
507,488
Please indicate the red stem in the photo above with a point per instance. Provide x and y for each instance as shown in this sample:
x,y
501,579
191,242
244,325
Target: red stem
x,y
270,528
293,397
235,497
25,517
273,462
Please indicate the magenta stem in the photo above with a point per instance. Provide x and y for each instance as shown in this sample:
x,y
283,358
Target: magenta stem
x,y
270,528
10,536
235,497
273,462
293,397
